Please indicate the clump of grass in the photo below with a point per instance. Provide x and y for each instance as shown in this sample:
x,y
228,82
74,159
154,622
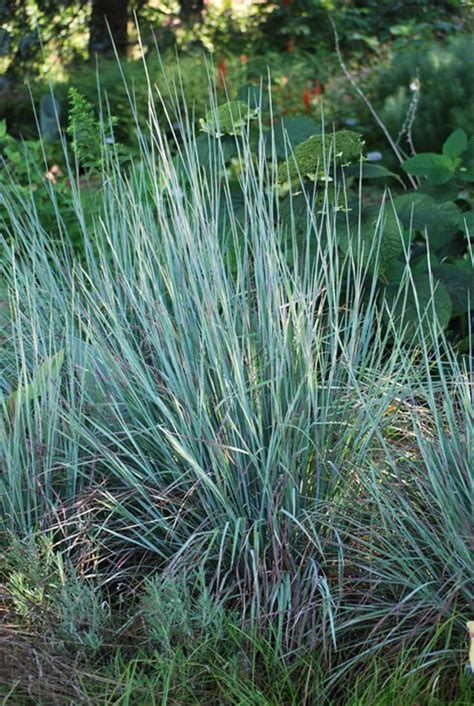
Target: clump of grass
x,y
254,417
180,611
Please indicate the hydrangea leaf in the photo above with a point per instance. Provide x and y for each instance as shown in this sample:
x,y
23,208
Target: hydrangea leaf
x,y
253,96
437,168
424,262
412,312
370,171
207,146
441,193
456,144
394,271
290,132
466,170
362,244
459,282
467,222
420,212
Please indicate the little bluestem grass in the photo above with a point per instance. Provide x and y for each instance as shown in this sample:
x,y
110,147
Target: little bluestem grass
x,y
167,407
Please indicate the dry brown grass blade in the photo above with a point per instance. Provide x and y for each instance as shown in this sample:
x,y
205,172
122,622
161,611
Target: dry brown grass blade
x,y
36,671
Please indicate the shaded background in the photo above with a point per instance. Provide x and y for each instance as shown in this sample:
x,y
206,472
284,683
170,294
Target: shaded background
x,y
60,43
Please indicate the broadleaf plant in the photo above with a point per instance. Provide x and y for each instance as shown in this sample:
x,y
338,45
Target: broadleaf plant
x,y
426,228
440,218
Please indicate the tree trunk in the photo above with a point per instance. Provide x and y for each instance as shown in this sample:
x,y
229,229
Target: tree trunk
x,y
108,26
190,9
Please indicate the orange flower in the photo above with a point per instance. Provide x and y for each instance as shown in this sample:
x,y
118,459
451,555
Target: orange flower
x,y
244,59
290,46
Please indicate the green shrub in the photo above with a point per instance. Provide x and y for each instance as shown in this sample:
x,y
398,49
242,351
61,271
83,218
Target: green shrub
x,y
111,85
365,23
24,172
180,612
48,597
36,173
444,71
441,230
425,226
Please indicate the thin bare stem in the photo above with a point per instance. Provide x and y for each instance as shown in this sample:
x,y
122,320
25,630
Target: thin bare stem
x,y
369,105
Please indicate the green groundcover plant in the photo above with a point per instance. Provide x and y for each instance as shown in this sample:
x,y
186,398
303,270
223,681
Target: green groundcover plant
x,y
225,440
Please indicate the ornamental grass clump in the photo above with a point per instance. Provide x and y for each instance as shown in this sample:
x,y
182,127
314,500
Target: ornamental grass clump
x,y
166,407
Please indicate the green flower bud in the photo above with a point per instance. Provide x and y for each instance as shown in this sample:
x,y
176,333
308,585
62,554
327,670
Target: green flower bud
x,y
313,158
228,119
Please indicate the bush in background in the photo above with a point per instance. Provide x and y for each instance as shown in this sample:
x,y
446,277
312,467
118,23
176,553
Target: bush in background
x,y
446,100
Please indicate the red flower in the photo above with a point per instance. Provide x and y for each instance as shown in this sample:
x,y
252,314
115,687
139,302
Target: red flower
x,y
290,46
221,72
307,98
317,88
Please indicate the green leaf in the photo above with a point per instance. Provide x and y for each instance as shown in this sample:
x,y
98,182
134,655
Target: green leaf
x,y
466,170
203,144
394,271
421,213
437,168
290,132
456,144
294,212
440,192
467,222
460,284
360,244
413,312
3,128
466,344
469,153
466,173
370,171
422,263
5,40
232,210
254,96
207,146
